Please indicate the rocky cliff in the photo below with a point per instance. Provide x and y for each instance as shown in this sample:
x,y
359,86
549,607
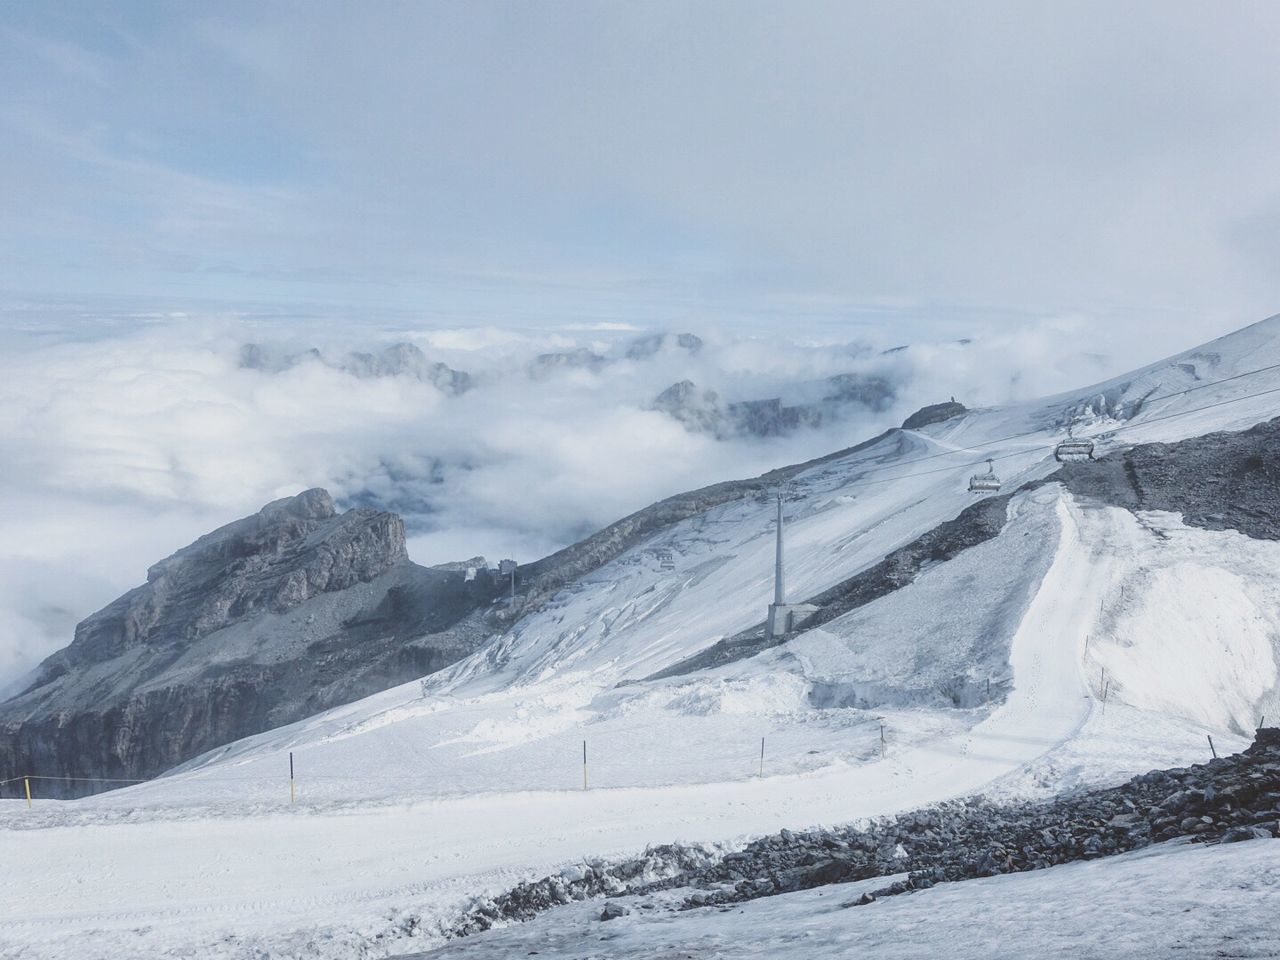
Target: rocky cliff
x,y
815,405
274,618
264,621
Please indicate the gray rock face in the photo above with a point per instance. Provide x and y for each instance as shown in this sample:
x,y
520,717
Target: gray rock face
x,y
646,347
700,411
703,411
1230,799
397,360
277,617
406,360
261,622
548,364
934,413
280,557
1218,481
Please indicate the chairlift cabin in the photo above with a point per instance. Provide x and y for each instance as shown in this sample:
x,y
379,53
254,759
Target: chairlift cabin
x,y
1072,449
985,482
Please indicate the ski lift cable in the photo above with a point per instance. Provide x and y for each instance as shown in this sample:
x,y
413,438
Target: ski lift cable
x,y
1115,429
1153,399
1018,453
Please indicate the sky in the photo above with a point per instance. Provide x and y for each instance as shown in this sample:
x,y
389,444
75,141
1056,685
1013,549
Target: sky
x,y
916,165
1072,190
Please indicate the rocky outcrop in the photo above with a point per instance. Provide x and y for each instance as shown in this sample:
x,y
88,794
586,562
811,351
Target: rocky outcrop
x,y
547,364
700,411
646,347
398,360
406,360
1226,800
266,620
833,399
290,551
1218,481
277,617
934,413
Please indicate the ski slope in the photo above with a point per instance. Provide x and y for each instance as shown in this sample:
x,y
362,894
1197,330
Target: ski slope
x,y
424,796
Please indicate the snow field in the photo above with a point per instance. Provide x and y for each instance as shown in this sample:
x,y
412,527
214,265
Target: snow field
x,y
419,798
161,886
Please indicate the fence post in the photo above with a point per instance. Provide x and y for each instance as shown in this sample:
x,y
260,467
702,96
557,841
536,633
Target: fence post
x,y
26,782
1211,749
584,764
762,756
292,793
882,748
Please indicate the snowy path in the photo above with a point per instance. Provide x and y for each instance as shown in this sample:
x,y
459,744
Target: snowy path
x,y
160,885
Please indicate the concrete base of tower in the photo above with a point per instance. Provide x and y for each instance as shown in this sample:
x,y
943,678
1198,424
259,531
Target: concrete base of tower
x,y
788,617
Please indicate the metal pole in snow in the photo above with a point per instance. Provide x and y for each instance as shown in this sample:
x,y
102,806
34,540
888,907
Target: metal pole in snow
x,y
26,782
988,689
779,581
292,793
584,764
1211,749
882,751
762,756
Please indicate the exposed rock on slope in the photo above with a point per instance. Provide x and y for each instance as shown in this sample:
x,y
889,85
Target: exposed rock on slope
x,y
934,413
1218,481
1226,800
262,622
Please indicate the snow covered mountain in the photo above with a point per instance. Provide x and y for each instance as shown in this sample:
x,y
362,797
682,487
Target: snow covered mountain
x,y
1084,624
261,622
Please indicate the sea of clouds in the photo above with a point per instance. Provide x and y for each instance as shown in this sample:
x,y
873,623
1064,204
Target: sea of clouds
x,y
122,441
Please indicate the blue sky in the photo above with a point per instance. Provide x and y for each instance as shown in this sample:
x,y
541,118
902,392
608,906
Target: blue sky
x,y
925,165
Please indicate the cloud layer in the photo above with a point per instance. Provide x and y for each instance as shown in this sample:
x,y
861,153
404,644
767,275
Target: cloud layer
x,y
125,441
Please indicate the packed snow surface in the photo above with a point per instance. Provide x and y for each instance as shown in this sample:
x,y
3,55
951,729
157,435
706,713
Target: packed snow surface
x,y
416,800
